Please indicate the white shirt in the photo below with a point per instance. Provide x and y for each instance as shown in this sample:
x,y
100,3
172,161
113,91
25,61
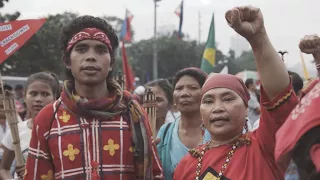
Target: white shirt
x,y
25,137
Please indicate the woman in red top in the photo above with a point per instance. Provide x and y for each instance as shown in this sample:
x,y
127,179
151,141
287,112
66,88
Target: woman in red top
x,y
233,152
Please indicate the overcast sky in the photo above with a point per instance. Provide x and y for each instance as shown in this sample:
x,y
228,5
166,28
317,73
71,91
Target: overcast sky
x,y
287,21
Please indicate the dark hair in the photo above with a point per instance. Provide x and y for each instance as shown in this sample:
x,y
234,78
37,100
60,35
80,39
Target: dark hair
x,y
46,77
198,74
7,87
249,82
165,85
301,156
18,87
297,82
81,23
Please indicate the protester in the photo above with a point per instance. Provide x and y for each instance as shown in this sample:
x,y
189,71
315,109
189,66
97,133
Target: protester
x,y
232,154
187,132
41,89
95,130
303,124
162,90
253,103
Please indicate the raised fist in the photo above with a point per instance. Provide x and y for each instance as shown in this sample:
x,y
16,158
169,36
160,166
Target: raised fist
x,y
246,21
310,44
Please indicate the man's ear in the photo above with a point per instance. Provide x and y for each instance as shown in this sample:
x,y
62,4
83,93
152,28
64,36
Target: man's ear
x,y
66,61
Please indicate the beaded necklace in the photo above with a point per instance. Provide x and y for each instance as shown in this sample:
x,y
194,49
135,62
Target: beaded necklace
x,y
242,140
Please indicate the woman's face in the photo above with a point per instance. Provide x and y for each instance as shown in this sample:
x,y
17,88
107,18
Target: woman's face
x,y
187,94
162,102
223,112
38,95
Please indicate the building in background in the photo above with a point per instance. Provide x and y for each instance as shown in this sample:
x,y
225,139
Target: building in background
x,y
239,44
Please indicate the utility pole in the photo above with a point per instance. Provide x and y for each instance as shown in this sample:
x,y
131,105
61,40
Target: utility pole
x,y
155,51
199,35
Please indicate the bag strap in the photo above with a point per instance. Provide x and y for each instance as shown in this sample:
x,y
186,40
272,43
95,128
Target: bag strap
x,y
166,130
54,115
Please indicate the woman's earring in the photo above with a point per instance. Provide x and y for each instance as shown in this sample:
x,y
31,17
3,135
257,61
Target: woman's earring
x,y
202,127
245,127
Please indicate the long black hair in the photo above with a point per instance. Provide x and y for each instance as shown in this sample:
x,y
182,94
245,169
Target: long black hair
x,y
301,156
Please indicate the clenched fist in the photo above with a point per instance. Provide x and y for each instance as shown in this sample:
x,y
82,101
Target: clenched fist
x,y
246,21
310,44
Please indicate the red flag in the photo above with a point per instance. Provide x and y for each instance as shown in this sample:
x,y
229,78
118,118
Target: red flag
x,y
125,33
127,71
15,33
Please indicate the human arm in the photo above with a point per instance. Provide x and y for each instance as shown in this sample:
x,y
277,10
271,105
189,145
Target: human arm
x,y
6,162
310,44
273,115
248,22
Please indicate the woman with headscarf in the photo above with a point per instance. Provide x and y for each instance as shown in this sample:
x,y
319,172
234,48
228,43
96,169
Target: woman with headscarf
x,y
234,153
186,132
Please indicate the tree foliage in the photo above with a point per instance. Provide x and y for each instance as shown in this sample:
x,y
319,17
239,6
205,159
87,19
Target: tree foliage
x,y
173,55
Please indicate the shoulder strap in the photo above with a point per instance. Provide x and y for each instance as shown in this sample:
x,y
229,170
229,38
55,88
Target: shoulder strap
x,y
54,115
166,130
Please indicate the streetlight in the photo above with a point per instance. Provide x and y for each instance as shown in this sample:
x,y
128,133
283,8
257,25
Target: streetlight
x,y
155,52
282,54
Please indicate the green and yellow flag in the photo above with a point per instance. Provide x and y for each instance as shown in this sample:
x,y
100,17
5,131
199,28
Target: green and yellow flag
x,y
209,55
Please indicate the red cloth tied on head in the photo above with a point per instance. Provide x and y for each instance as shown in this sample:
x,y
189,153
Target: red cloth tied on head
x,y
303,118
91,34
228,81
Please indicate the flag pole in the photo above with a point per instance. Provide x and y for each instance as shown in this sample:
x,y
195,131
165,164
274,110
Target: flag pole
x,y
305,70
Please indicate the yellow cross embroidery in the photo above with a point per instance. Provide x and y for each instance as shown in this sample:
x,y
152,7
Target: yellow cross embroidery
x,y
48,176
65,117
131,149
71,152
210,176
111,147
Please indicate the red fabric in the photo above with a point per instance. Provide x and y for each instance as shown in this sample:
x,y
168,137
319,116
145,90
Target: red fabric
x,y
315,156
127,70
89,33
304,117
252,162
89,141
228,81
309,86
14,34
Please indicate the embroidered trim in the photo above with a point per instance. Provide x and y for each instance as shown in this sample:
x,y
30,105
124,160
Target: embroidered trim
x,y
281,101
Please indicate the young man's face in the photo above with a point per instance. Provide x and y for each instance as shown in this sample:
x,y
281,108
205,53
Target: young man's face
x,y
90,62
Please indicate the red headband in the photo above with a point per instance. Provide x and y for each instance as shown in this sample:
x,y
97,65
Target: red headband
x,y
89,33
228,81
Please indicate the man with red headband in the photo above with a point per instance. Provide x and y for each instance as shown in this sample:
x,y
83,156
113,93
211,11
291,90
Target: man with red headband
x,y
303,124
95,130
233,152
